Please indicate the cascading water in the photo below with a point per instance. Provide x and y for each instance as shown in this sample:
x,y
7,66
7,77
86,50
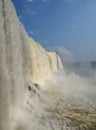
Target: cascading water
x,y
35,91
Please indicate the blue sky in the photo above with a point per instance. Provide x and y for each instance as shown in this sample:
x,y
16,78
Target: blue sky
x,y
69,24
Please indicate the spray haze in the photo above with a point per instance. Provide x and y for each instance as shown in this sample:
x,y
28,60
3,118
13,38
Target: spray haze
x,y
67,102
36,91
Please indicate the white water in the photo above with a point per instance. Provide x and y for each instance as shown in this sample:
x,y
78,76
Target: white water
x,y
31,97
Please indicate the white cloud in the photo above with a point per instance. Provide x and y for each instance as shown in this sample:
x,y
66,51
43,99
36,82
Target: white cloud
x,y
31,32
28,9
64,51
66,56
35,32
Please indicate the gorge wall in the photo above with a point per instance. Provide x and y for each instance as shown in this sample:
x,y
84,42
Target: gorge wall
x,y
21,60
